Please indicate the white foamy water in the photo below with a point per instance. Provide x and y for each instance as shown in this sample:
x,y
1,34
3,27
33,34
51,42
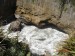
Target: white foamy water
x,y
39,40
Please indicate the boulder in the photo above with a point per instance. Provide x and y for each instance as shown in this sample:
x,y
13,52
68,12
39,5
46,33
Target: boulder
x,y
15,26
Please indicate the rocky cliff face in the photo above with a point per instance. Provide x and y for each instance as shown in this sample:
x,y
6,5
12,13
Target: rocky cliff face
x,y
60,13
43,14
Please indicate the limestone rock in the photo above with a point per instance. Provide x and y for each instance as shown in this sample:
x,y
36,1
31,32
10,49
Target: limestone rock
x,y
41,41
38,11
60,13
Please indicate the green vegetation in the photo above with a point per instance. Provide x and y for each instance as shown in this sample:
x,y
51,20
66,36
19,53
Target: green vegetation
x,y
11,47
33,1
72,2
68,48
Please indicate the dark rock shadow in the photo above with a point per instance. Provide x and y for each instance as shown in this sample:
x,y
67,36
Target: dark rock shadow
x,y
47,25
7,10
50,25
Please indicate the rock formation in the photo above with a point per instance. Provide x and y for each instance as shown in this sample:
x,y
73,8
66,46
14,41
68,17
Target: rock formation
x,y
41,41
60,13
15,26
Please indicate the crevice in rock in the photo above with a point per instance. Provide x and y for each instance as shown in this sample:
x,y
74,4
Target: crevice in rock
x,y
63,2
46,24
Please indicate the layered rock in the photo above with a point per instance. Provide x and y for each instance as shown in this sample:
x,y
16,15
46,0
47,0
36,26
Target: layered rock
x,y
43,12
60,13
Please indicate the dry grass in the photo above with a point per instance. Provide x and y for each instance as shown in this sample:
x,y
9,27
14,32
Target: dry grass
x,y
68,48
